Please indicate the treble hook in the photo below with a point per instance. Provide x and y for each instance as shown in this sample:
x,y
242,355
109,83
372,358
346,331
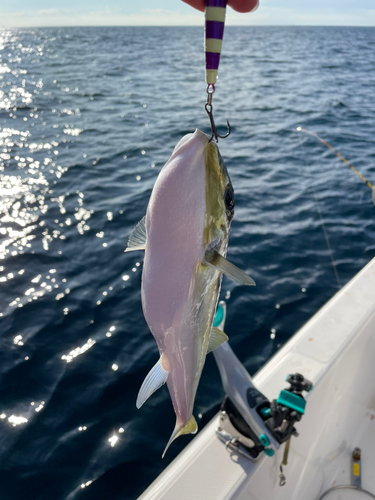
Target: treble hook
x,y
209,109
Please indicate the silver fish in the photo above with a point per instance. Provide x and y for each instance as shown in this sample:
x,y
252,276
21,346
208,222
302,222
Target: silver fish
x,y
185,237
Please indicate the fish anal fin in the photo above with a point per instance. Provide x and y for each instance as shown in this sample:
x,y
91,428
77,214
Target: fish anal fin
x,y
137,238
190,428
155,378
214,259
217,337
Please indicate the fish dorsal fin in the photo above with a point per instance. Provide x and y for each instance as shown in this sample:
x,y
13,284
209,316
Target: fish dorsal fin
x,y
190,428
214,259
216,338
137,239
156,377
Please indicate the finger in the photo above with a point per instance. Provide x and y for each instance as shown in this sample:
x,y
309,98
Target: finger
x,y
238,5
197,4
243,5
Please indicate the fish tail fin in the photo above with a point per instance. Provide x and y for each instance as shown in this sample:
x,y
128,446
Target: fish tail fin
x,y
190,428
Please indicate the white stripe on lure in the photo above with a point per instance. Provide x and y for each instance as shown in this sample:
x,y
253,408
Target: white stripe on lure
x,y
185,237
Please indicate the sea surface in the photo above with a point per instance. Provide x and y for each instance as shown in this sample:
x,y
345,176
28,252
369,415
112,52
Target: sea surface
x,y
88,116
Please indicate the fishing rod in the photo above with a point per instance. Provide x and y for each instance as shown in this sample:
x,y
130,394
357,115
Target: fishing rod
x,y
214,12
368,183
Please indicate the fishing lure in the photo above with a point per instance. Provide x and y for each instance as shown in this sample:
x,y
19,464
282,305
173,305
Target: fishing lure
x,y
215,11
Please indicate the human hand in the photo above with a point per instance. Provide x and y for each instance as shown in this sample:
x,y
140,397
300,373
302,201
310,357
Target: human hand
x,y
238,5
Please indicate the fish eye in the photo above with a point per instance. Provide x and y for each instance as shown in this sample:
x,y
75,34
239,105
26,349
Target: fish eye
x,y
229,198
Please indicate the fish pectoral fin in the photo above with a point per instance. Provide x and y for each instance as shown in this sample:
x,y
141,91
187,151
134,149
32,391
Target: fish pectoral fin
x,y
137,238
190,428
217,337
156,377
214,259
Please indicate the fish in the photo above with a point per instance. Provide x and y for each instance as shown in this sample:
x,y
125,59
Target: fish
x,y
185,238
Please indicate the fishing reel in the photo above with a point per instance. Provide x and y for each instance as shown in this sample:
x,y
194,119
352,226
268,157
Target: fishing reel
x,y
275,419
288,408
249,423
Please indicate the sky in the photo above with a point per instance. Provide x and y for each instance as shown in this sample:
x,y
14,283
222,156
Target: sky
x,y
19,13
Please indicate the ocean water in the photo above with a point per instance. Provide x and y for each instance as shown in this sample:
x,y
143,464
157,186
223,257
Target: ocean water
x,y
88,116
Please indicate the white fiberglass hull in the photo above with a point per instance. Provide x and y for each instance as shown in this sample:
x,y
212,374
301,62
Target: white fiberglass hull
x,y
336,351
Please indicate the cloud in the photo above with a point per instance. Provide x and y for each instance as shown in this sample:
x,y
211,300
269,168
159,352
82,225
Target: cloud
x,y
47,12
277,16
106,17
267,14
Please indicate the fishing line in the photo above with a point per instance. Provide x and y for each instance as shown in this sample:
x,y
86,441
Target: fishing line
x,y
325,233
368,183
326,238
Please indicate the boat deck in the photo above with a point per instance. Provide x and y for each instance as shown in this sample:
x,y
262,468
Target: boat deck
x,y
336,351
367,446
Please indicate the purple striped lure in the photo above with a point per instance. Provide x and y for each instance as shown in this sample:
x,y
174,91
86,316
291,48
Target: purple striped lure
x,y
215,11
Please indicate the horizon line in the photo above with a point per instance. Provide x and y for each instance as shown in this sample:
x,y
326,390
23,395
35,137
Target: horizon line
x,y
194,26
